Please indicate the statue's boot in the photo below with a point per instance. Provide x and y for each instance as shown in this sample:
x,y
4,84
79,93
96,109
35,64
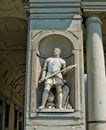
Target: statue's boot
x,y
65,95
59,98
44,99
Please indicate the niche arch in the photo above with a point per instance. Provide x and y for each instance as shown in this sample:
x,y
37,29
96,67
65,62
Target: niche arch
x,y
43,44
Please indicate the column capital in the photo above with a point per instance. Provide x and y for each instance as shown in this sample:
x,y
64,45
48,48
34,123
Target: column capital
x,y
93,19
94,8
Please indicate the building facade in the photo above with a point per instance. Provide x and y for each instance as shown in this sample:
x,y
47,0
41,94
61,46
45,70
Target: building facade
x,y
29,31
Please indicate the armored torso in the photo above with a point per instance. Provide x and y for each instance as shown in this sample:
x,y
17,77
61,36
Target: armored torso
x,y
55,64
52,65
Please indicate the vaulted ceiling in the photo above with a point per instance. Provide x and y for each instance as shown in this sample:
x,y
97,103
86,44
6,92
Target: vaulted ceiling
x,y
13,36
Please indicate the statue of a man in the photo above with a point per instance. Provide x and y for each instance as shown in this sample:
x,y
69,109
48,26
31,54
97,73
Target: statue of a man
x,y
52,65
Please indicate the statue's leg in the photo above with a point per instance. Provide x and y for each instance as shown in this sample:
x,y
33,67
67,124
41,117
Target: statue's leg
x,y
45,95
65,94
59,96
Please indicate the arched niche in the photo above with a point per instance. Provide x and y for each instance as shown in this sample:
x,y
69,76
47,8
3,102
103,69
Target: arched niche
x,y
45,49
50,42
42,46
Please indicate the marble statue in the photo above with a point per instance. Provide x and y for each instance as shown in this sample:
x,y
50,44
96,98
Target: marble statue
x,y
53,77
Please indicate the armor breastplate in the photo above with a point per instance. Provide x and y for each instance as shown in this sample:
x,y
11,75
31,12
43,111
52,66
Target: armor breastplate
x,y
54,65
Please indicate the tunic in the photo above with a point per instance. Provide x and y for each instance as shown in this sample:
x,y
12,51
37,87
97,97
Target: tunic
x,y
52,65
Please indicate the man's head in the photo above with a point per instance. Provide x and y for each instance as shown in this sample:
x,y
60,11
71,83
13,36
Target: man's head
x,y
57,52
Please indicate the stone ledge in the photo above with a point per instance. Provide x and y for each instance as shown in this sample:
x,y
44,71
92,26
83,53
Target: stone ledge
x,y
55,110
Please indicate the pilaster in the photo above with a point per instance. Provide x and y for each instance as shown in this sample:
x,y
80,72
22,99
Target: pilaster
x,y
54,24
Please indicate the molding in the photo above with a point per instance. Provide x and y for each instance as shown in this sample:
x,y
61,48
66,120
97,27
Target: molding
x,y
55,9
94,6
50,1
96,9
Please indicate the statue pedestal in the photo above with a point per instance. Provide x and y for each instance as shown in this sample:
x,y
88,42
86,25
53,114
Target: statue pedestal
x,y
55,110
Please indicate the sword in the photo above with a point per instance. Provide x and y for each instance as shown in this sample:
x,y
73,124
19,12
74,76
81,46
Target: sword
x,y
57,72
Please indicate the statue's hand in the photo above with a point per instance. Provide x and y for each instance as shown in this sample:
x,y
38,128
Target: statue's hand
x,y
64,81
43,79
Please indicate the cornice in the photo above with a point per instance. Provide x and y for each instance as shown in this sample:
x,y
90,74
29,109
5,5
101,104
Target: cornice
x,y
94,6
91,9
55,9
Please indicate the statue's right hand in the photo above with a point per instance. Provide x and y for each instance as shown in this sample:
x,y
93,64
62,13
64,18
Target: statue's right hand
x,y
45,78
42,79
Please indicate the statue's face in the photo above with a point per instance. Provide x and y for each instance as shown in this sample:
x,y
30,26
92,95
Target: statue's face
x,y
57,52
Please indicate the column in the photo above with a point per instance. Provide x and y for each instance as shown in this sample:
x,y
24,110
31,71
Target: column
x,y
11,117
96,75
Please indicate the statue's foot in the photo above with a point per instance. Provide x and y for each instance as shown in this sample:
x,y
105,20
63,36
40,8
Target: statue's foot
x,y
60,108
41,107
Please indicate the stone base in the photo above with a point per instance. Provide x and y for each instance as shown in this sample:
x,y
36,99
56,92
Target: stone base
x,y
55,110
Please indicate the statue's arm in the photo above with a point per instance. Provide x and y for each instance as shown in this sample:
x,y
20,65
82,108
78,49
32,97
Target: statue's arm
x,y
44,70
63,67
43,74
